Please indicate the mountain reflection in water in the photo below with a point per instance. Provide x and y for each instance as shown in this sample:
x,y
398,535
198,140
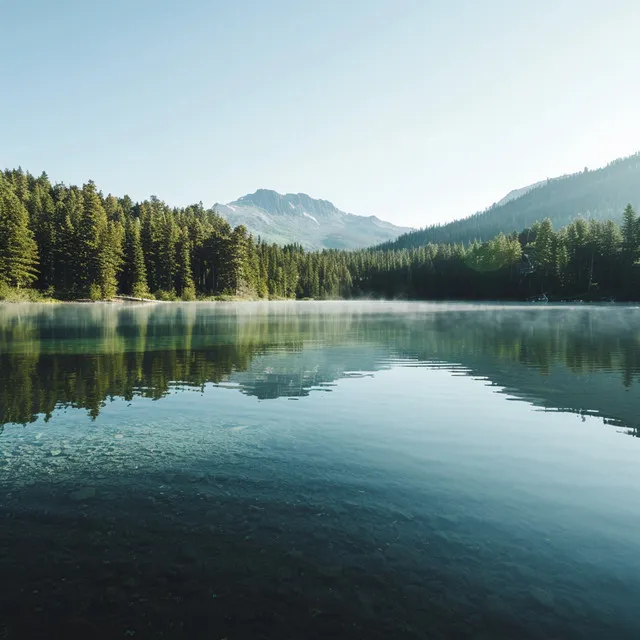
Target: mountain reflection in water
x,y
577,359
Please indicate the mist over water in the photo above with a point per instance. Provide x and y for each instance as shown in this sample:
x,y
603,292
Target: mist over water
x,y
320,469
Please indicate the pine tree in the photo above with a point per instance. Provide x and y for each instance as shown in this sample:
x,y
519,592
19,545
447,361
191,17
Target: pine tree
x,y
99,248
166,242
543,245
235,261
134,274
630,235
18,249
184,279
68,214
90,232
110,259
42,216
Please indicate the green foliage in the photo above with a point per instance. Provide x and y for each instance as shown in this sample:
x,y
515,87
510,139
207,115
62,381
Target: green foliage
x,y
95,246
495,254
110,259
18,249
630,235
544,245
95,292
165,296
134,272
184,276
235,274
188,293
90,231
11,294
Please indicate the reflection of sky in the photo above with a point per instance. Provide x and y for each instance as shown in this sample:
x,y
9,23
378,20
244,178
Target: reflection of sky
x,y
426,416
424,429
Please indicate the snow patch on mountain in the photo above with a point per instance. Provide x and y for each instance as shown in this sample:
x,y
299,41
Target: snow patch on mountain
x,y
268,215
304,213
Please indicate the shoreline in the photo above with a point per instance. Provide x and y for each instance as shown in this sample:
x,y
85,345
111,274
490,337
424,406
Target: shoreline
x,y
123,300
31,296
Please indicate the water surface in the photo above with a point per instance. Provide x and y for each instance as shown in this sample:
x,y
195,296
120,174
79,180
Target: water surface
x,y
319,470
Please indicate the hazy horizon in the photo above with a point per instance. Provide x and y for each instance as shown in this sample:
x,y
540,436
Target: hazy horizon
x,y
414,112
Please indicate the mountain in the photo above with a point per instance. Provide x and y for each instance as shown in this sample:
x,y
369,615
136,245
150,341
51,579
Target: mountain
x,y
601,194
315,224
516,193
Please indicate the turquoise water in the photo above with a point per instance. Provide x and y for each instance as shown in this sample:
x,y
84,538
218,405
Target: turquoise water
x,y
288,470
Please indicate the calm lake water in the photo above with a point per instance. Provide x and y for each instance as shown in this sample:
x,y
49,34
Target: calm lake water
x,y
319,470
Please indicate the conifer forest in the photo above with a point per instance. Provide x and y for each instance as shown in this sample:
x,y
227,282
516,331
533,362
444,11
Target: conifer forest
x,y
70,242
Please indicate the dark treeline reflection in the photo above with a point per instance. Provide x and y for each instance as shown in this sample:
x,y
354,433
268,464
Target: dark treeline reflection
x,y
584,359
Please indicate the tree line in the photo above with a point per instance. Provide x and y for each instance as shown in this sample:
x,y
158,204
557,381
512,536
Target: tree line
x,y
73,242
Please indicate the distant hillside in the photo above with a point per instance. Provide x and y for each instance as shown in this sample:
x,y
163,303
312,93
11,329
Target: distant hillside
x,y
517,193
600,194
315,224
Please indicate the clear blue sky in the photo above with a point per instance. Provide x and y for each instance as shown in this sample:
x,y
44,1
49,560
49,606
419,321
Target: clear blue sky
x,y
417,111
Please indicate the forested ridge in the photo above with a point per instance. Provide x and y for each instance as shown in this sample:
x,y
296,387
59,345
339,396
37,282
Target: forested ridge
x,y
74,242
599,194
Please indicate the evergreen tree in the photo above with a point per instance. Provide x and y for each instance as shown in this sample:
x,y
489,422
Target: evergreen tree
x,y
42,216
235,260
630,235
68,214
18,249
110,259
134,274
166,241
99,248
90,232
185,285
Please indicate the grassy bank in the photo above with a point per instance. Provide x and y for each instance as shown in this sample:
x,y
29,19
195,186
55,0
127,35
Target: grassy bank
x,y
13,294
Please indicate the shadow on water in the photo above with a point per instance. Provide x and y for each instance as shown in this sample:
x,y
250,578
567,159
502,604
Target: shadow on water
x,y
142,523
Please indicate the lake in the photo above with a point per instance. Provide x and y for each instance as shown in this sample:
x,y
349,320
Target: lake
x,y
319,470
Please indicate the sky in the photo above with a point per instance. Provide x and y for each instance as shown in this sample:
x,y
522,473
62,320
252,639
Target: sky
x,y
417,111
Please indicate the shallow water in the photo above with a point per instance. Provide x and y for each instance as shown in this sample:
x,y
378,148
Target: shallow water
x,y
379,470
